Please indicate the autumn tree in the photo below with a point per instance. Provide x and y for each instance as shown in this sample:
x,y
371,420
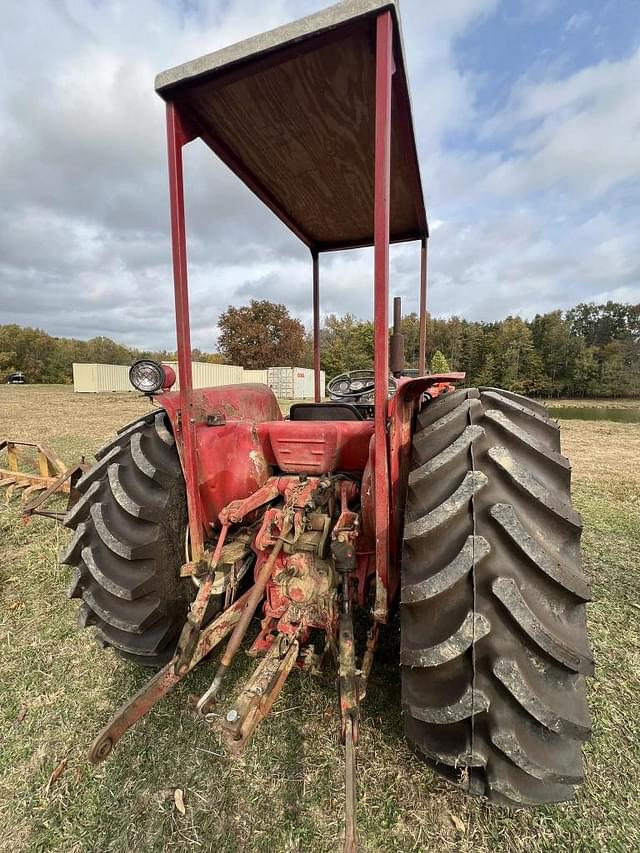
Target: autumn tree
x,y
261,334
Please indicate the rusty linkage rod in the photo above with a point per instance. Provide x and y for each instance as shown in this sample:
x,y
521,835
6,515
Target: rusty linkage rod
x,y
164,681
193,625
210,696
261,691
348,688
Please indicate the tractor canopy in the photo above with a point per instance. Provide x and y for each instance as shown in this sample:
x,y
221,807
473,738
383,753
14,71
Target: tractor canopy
x,y
292,112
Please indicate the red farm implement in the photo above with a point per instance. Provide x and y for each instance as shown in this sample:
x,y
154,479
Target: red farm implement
x,y
397,493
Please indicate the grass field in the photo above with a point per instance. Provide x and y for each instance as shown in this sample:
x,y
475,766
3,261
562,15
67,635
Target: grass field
x,y
602,403
57,688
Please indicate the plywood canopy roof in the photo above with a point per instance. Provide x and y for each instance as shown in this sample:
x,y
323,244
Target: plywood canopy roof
x,y
292,112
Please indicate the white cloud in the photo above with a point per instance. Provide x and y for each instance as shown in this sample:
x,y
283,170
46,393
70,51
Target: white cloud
x,y
580,133
529,221
578,21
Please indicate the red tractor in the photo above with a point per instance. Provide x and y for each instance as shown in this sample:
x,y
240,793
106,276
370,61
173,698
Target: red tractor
x,y
398,493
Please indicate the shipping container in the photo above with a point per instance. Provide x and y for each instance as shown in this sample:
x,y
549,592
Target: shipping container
x,y
256,376
207,375
288,383
93,378
294,383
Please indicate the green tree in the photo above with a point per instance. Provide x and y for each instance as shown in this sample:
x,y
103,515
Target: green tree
x,y
473,349
585,372
439,363
521,366
410,328
7,362
207,357
103,350
346,343
487,374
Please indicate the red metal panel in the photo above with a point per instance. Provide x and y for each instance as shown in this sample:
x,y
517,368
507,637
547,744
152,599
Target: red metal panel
x,y
240,437
253,402
316,326
230,459
317,447
422,355
384,73
401,411
177,136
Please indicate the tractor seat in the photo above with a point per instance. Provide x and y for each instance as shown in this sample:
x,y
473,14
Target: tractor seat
x,y
332,411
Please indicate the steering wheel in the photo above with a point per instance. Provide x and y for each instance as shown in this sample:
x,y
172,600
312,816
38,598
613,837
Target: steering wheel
x,y
356,386
354,383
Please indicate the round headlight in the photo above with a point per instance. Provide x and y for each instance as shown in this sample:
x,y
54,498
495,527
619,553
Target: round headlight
x,y
147,376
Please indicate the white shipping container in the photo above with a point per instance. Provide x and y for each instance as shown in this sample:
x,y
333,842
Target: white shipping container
x,y
294,383
207,375
255,376
303,383
92,378
287,383
280,380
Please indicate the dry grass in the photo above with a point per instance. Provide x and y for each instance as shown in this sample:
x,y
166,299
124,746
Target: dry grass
x,y
285,794
601,403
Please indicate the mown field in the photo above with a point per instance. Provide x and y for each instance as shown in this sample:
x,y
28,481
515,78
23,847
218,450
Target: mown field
x,y
57,688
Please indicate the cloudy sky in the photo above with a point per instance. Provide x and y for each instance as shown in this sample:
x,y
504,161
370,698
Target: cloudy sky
x,y
528,121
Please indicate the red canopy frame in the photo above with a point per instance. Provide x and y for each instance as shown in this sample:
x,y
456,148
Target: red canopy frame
x,y
181,131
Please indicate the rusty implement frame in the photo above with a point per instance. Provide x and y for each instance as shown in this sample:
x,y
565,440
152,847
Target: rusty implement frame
x,y
50,467
52,477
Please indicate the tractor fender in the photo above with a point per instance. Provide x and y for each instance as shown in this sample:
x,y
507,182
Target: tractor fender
x,y
231,462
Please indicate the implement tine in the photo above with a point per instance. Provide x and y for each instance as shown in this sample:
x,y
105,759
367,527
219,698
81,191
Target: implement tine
x,y
30,490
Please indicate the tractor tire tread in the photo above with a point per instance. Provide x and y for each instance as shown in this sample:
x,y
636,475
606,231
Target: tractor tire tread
x,y
494,650
129,526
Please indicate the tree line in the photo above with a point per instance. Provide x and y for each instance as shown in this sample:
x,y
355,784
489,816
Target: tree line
x,y
48,360
588,351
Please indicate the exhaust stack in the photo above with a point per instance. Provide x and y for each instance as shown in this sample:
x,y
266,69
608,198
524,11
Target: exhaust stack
x,y
396,341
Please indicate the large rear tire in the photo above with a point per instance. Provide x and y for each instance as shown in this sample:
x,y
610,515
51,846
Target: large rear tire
x,y
128,544
494,647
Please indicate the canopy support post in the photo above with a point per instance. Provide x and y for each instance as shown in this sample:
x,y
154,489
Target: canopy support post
x,y
178,135
422,354
384,75
316,325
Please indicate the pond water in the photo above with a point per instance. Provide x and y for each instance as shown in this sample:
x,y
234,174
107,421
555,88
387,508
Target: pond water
x,y
594,413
